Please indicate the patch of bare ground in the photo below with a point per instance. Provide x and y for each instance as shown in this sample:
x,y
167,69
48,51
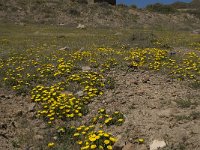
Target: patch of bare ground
x,y
19,128
156,108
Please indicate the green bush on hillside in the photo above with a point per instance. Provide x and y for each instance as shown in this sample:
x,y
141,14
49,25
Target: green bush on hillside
x,y
161,8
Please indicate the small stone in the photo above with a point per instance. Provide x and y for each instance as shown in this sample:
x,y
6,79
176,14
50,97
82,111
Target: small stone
x,y
38,137
196,31
108,111
19,113
117,92
86,68
173,103
55,137
81,26
3,126
64,48
141,147
80,93
130,94
118,33
165,113
128,146
3,96
146,79
32,115
31,107
169,80
156,144
135,82
119,144
42,126
82,49
9,96
67,92
123,102
140,92
130,139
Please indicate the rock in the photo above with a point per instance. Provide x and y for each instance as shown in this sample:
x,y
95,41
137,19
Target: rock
x,y
2,96
172,53
43,126
32,115
6,96
146,79
61,36
119,144
165,113
31,107
135,82
3,126
38,137
128,146
19,113
196,31
81,26
173,103
80,93
86,68
118,33
61,24
140,92
156,144
64,48
123,102
81,49
66,92
141,147
22,24
55,138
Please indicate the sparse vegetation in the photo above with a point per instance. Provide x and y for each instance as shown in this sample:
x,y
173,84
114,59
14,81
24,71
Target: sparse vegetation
x,y
53,79
166,9
185,103
63,87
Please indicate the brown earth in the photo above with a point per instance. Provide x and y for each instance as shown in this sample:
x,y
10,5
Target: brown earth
x,y
96,15
149,101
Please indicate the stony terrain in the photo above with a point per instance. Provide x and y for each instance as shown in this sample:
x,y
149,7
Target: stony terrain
x,y
149,102
68,13
95,76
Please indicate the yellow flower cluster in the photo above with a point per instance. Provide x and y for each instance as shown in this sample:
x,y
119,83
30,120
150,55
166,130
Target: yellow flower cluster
x,y
91,83
108,64
46,70
187,66
51,144
81,55
151,58
56,104
116,118
63,67
89,139
196,45
55,78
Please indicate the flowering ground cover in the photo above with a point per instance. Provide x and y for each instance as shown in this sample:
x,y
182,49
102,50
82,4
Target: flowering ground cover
x,y
63,83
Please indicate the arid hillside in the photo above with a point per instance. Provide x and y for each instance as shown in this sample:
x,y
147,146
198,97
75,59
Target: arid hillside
x,y
99,14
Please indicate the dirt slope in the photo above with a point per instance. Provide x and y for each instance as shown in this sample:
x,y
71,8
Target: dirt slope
x,y
149,101
104,15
